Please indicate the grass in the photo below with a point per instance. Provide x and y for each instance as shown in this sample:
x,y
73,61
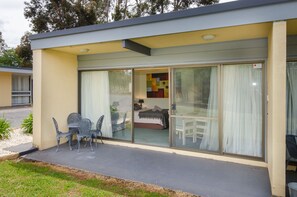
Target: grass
x,y
20,178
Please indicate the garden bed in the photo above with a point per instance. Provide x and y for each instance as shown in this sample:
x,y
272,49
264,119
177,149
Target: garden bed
x,y
17,137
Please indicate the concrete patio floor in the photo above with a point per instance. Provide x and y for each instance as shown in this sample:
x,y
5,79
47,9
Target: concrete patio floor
x,y
198,176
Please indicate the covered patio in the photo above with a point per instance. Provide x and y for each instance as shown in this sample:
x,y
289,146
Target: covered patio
x,y
199,176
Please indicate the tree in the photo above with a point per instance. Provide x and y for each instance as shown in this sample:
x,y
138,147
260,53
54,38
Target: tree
x,y
24,51
49,15
10,58
121,11
3,45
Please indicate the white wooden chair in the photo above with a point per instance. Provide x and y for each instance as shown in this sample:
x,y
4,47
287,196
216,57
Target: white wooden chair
x,y
190,127
200,128
185,129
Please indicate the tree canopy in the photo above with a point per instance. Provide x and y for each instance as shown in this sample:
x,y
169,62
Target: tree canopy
x,y
3,45
49,15
10,58
21,56
23,50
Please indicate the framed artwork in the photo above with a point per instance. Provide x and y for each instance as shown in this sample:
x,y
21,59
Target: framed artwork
x,y
157,85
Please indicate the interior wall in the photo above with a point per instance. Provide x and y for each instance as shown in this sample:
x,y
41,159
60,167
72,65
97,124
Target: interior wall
x,y
5,89
140,89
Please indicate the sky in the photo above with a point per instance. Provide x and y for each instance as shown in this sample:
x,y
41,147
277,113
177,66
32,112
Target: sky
x,y
13,24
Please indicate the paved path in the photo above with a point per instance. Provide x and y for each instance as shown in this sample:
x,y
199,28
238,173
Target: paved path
x,y
199,176
15,115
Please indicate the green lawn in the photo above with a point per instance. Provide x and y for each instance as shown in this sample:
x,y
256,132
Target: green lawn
x,y
35,179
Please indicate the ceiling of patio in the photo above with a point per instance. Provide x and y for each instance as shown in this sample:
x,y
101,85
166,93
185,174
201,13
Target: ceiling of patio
x,y
173,40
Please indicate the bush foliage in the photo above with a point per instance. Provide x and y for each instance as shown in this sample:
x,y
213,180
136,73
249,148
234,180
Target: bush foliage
x,y
27,124
4,129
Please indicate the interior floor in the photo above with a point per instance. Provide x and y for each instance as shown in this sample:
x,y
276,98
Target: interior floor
x,y
145,136
156,137
189,143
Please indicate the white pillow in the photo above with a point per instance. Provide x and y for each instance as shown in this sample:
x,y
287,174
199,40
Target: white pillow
x,y
157,108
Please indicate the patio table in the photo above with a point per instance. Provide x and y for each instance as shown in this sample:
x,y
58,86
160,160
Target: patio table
x,y
74,129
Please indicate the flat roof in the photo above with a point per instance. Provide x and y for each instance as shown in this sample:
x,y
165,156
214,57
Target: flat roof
x,y
205,10
231,14
16,70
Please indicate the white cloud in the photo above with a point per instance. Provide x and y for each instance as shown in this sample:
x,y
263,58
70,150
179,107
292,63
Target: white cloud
x,y
1,24
13,24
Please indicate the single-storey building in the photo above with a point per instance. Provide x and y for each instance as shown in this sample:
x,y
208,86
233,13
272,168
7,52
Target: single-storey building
x,y
15,86
218,81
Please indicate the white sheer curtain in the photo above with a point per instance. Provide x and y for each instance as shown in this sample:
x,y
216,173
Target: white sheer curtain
x,y
20,84
242,110
95,99
292,98
210,140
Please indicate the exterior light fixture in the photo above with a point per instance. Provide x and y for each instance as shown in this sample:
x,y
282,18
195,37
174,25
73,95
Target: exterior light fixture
x,y
208,37
84,50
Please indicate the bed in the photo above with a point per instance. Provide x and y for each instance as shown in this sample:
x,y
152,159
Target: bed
x,y
152,119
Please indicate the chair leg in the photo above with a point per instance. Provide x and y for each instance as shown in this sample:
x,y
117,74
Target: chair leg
x,y
96,140
91,144
69,142
78,144
58,143
101,137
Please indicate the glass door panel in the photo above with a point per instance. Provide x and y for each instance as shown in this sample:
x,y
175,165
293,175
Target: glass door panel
x,y
108,93
242,109
194,110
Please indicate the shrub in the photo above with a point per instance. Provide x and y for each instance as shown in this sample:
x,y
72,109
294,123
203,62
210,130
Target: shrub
x,y
4,129
27,124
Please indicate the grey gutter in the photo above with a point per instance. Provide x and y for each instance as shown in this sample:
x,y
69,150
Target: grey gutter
x,y
207,10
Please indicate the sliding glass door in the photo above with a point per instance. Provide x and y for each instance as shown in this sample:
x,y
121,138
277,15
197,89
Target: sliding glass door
x,y
242,109
194,110
292,98
108,93
218,109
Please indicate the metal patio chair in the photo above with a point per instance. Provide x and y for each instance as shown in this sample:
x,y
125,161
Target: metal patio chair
x,y
291,147
85,126
119,126
73,121
95,133
60,134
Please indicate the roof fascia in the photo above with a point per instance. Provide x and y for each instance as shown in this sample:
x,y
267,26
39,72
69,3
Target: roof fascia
x,y
251,15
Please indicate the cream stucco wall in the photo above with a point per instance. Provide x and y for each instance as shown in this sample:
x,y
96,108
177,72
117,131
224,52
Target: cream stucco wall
x,y
5,89
276,131
55,93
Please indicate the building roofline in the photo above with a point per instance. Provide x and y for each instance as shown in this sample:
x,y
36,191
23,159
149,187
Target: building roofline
x,y
206,10
17,70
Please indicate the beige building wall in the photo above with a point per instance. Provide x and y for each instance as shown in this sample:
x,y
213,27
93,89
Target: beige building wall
x,y
276,131
5,89
55,94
